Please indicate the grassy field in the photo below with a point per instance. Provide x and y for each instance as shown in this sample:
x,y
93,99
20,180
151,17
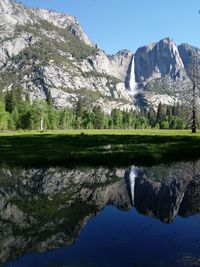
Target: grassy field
x,y
102,132
98,147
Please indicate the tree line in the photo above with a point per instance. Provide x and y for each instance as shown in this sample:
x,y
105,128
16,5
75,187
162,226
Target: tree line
x,y
19,112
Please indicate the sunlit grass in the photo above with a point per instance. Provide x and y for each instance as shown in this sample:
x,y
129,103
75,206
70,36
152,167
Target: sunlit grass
x,y
100,132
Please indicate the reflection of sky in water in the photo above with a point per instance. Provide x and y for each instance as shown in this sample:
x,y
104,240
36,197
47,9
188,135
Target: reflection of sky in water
x,y
117,238
120,234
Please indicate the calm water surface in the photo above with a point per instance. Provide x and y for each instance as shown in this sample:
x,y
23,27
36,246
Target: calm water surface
x,y
137,217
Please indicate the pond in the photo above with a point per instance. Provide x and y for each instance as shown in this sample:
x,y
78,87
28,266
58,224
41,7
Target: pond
x,y
136,216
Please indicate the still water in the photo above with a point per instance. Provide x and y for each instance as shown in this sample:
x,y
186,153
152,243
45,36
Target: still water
x,y
137,217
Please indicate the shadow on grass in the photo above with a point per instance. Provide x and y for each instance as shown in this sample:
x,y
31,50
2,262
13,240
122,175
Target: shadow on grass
x,y
107,150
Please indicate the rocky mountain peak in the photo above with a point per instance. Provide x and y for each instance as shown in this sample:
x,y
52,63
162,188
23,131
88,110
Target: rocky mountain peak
x,y
167,41
13,13
8,6
190,55
75,65
147,48
188,52
64,21
124,52
170,46
158,60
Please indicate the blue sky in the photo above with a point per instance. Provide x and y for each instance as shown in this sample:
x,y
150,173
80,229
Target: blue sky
x,y
119,24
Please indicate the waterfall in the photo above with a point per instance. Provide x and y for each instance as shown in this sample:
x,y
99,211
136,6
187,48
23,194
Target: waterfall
x,y
132,178
132,82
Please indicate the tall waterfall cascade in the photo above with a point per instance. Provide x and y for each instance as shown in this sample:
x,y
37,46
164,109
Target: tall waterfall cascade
x,y
132,178
132,81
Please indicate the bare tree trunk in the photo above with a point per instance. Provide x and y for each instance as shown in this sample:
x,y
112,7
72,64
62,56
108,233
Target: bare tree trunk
x,y
41,124
194,123
195,85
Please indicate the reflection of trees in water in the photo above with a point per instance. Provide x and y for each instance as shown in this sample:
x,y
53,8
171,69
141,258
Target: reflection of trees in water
x,y
43,209
191,201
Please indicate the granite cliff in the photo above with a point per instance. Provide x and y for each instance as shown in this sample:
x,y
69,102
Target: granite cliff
x,y
42,50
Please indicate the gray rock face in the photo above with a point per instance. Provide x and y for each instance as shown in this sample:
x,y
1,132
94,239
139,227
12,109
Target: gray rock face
x,y
158,60
13,13
117,65
75,66
161,70
190,56
121,62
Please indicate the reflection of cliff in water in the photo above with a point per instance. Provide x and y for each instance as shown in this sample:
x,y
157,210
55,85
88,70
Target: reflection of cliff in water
x,y
165,191
43,209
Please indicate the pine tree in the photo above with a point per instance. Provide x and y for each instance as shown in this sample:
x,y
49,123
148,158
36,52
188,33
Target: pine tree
x,y
190,93
18,94
28,98
117,117
4,116
87,119
49,99
169,111
98,118
161,112
79,108
151,115
10,101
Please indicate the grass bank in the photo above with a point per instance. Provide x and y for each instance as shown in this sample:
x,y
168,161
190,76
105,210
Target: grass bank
x,y
98,147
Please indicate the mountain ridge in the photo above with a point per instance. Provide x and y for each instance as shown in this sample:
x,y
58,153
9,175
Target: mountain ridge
x,y
43,50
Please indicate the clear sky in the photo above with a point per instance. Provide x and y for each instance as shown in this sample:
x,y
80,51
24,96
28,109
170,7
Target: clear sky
x,y
119,24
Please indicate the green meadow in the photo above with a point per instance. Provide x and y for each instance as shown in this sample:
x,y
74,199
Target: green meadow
x,y
98,147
